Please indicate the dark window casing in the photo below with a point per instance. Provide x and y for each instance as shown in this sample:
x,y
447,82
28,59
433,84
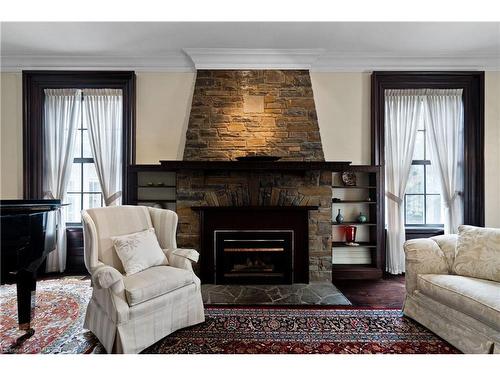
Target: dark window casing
x,y
34,82
472,84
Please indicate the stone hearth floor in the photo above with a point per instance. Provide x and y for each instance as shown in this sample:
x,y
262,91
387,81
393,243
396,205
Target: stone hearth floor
x,y
295,294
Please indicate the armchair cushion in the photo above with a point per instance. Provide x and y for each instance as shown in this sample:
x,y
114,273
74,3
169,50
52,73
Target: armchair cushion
x,y
474,297
138,251
478,253
154,282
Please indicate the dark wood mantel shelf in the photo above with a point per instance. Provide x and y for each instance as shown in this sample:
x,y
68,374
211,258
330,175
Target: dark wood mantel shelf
x,y
254,208
254,165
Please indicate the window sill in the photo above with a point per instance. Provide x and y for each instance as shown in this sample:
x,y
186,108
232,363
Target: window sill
x,y
411,229
422,232
74,226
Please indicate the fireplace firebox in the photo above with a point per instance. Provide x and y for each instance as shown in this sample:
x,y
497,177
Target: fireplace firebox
x,y
253,256
254,244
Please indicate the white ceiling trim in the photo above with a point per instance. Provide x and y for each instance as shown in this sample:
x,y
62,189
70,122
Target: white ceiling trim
x,y
317,60
247,58
174,62
350,62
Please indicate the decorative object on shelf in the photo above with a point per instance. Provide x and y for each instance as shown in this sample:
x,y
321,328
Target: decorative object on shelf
x,y
353,244
350,234
339,219
336,200
160,184
349,178
258,158
369,199
362,218
150,184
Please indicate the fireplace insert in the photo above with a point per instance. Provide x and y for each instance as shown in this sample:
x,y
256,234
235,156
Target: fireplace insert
x,y
253,256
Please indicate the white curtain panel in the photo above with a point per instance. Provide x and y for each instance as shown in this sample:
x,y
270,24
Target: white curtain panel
x,y
103,114
402,114
62,115
444,119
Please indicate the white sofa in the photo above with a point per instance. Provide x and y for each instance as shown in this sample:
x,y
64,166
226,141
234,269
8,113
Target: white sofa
x,y
130,313
463,310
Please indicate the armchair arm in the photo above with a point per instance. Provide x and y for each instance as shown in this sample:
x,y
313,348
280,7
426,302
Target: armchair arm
x,y
107,277
423,256
182,258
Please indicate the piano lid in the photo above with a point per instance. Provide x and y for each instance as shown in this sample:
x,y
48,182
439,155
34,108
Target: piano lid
x,y
24,206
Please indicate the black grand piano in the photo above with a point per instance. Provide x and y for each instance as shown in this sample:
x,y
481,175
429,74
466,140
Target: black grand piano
x,y
28,234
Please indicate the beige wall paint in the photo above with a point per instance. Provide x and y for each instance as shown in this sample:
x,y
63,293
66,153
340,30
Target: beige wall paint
x,y
343,107
164,100
492,149
11,136
163,105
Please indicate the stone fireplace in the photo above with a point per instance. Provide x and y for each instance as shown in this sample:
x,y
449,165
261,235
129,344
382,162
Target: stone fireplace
x,y
256,112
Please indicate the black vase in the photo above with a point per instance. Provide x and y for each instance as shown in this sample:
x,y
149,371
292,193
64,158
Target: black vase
x,y
339,219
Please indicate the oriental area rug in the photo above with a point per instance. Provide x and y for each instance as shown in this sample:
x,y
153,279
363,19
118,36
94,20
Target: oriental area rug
x,y
61,304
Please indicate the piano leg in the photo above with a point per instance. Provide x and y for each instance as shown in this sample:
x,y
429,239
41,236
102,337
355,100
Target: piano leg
x,y
26,294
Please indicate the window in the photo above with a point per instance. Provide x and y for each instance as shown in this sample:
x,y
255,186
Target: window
x,y
422,197
84,190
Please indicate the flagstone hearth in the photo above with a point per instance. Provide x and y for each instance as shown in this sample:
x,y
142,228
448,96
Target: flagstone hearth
x,y
295,294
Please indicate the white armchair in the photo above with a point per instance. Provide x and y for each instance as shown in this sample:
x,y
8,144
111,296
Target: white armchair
x,y
129,313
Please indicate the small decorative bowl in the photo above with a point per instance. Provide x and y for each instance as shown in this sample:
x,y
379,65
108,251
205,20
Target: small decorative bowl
x,y
349,178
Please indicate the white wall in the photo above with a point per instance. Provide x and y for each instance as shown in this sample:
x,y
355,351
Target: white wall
x,y
163,105
343,107
164,100
11,136
492,149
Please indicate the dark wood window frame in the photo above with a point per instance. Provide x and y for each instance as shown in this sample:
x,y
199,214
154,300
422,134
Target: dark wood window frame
x,y
34,82
472,84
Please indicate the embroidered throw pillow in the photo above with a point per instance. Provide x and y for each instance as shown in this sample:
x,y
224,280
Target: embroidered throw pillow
x,y
138,251
478,253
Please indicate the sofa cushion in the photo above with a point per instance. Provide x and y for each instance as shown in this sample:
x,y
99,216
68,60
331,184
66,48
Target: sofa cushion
x,y
477,298
155,281
478,253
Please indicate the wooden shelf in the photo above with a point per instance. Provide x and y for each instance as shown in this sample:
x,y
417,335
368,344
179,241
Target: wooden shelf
x,y
279,166
156,200
361,244
353,223
353,201
355,272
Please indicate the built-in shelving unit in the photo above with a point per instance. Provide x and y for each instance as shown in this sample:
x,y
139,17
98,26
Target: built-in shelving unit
x,y
365,261
152,186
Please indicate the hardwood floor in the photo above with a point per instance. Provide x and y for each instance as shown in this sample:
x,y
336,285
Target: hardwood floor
x,y
388,292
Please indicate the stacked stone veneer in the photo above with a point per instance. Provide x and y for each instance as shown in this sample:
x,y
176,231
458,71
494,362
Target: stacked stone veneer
x,y
223,126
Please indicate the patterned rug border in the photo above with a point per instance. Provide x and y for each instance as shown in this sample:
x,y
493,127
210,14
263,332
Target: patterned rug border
x,y
297,307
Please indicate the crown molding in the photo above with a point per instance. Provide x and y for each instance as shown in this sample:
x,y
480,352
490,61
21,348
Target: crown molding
x,y
348,62
173,62
248,58
316,60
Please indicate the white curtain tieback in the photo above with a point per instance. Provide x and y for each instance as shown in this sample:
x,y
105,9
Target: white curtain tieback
x,y
393,197
48,195
449,202
112,198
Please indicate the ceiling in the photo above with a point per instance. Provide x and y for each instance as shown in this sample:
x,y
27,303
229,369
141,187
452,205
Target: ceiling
x,y
319,46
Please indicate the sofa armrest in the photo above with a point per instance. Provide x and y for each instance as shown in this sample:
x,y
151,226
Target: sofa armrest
x,y
423,256
107,277
182,258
